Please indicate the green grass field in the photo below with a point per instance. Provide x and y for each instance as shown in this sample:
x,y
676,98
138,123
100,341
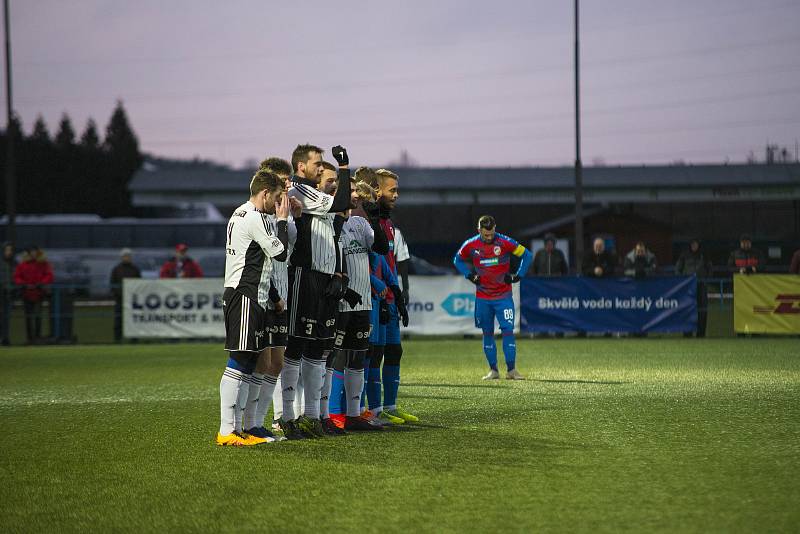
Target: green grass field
x,y
608,435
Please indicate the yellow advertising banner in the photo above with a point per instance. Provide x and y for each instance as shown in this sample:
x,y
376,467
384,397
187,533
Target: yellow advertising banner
x,y
766,303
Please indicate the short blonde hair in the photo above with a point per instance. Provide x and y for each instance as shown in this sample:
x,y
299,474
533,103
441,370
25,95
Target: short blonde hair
x,y
365,192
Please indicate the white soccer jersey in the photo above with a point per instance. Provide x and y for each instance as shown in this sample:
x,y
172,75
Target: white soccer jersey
x,y
252,243
280,275
315,248
355,242
400,246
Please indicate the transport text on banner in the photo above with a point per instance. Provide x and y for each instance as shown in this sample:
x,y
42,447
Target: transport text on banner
x,y
445,305
766,303
578,304
172,308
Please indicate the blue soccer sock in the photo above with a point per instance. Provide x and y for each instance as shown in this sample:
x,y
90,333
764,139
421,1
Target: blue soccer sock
x,y
335,405
374,388
490,349
391,383
509,350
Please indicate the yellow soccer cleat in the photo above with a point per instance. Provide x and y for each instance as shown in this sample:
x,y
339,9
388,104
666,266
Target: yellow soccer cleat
x,y
238,440
404,415
387,418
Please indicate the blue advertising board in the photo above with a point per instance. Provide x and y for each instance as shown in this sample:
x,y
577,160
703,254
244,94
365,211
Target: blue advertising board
x,y
579,304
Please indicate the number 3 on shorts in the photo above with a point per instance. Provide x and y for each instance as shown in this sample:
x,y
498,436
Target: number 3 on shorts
x,y
309,328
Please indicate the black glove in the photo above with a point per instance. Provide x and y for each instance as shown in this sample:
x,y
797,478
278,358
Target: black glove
x,y
401,306
336,288
510,278
474,278
406,299
340,155
352,298
372,209
383,313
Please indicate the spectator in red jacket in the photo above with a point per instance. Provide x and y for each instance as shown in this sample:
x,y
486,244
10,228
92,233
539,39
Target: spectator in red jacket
x,y
33,275
182,266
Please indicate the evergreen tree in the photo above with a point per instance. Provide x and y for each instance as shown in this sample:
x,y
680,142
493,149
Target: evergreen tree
x,y
66,133
124,159
90,138
40,132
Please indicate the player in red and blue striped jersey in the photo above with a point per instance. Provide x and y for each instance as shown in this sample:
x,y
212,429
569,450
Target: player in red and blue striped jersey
x,y
485,261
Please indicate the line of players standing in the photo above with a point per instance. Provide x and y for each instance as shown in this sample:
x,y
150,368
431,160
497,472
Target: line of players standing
x,y
312,301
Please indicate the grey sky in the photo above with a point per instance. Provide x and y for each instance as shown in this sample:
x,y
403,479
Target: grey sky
x,y
452,82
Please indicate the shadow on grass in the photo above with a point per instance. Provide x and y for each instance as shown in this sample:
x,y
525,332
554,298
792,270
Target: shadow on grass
x,y
423,385
435,397
574,381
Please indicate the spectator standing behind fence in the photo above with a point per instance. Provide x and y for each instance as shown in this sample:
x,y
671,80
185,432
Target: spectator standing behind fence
x,y
549,261
7,292
599,263
693,261
34,276
124,269
746,259
640,262
794,267
181,266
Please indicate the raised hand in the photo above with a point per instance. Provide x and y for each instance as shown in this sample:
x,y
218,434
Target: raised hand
x,y
340,155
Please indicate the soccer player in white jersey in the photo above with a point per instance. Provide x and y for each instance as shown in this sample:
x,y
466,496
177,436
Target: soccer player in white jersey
x,y
250,247
314,288
361,233
272,296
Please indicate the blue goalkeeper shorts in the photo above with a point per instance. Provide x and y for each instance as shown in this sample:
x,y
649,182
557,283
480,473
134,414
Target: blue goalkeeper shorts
x,y
384,334
486,311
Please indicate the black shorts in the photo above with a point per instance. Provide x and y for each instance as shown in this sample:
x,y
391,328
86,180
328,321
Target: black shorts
x,y
277,328
311,314
244,323
352,330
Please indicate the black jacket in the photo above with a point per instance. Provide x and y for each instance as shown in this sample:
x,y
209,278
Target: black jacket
x,y
604,260
693,263
122,270
549,264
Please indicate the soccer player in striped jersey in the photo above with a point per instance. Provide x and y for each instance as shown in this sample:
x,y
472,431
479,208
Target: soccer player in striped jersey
x,y
386,183
272,296
361,234
251,245
314,287
484,260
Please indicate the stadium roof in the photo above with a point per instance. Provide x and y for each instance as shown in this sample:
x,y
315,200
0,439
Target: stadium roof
x,y
156,185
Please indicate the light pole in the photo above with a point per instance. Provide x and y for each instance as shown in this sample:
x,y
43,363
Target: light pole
x,y
11,183
578,166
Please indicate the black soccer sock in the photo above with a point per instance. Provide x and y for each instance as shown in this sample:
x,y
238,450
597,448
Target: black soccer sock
x,y
393,353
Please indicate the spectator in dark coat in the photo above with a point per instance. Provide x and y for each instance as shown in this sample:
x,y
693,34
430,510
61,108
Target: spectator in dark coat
x,y
549,261
34,276
181,266
124,269
746,259
693,261
599,263
7,269
794,267
640,262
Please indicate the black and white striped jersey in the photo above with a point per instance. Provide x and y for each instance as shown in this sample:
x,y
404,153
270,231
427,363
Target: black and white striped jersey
x,y
355,242
251,245
314,248
279,278
400,246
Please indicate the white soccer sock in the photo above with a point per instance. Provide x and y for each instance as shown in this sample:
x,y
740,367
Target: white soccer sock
x,y
229,388
241,402
265,398
325,396
313,372
289,375
299,396
353,387
254,388
277,400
